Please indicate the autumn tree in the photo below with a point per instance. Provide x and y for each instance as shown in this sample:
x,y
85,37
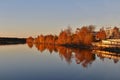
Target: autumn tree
x,y
41,38
75,39
46,39
84,35
91,28
65,36
49,39
116,33
36,40
88,39
101,35
30,40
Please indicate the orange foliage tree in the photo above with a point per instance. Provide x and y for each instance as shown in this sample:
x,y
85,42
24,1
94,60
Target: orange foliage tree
x,y
101,35
84,35
65,37
116,33
30,39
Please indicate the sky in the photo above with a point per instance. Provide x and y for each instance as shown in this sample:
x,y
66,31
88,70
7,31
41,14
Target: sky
x,y
24,18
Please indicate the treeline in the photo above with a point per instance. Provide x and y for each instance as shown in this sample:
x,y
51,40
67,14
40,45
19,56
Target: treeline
x,y
83,36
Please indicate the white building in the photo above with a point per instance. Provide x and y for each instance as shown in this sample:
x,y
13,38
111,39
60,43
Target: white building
x,y
109,32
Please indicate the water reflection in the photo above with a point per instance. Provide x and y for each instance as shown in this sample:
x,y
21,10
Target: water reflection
x,y
83,57
30,45
110,55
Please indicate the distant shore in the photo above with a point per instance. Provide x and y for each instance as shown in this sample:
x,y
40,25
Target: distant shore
x,y
12,40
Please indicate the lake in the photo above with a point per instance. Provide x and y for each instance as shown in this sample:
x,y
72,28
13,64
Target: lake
x,y
46,62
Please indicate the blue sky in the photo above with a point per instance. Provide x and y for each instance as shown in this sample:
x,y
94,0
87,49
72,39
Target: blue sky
x,y
23,18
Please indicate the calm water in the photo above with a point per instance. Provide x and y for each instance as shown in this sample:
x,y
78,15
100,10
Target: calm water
x,y
40,62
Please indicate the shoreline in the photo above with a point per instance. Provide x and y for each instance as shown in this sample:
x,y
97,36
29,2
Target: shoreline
x,y
14,40
8,41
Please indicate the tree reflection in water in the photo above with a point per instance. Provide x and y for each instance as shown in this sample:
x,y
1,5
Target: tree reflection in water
x,y
83,57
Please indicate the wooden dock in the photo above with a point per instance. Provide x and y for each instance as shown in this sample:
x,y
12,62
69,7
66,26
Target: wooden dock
x,y
109,43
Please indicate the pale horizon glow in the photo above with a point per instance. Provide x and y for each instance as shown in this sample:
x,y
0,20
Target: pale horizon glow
x,y
24,18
